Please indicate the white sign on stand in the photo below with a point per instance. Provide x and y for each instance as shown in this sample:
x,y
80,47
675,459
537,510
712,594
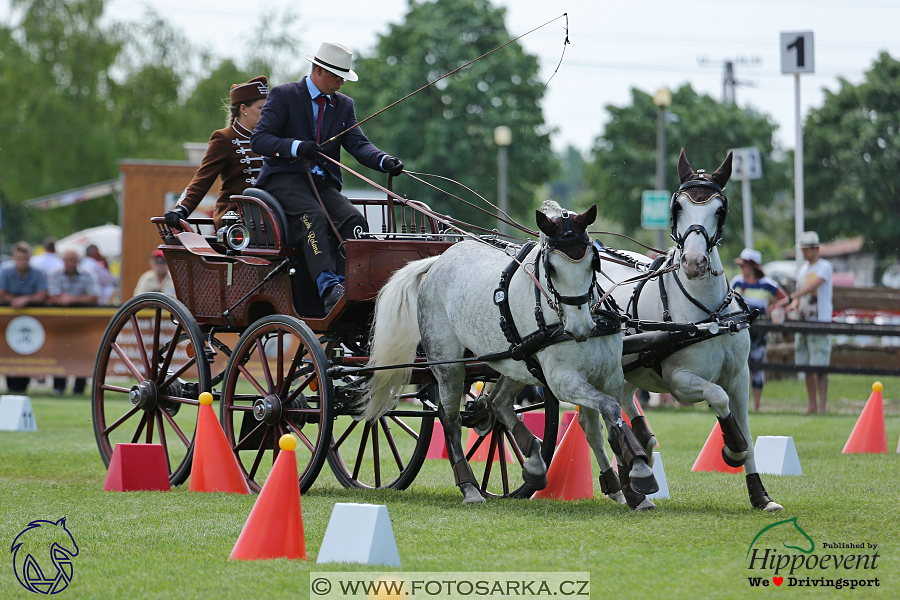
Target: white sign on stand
x,y
746,164
797,57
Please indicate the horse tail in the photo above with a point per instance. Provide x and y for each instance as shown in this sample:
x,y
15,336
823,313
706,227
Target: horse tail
x,y
395,335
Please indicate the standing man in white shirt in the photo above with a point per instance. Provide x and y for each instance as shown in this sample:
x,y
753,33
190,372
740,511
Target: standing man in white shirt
x,y
813,302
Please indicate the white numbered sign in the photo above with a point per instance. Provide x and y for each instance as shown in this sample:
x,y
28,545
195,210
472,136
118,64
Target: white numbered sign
x,y
797,52
746,163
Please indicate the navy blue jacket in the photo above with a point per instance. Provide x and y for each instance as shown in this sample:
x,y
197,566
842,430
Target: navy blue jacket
x,y
288,115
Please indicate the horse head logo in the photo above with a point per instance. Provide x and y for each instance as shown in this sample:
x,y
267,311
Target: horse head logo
x,y
34,542
785,532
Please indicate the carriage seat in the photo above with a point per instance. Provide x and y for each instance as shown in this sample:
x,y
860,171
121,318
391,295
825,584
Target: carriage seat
x,y
262,234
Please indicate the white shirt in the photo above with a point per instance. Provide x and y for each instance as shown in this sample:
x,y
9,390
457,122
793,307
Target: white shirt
x,y
816,305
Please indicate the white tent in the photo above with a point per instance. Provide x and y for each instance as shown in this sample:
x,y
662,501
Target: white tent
x,y
107,238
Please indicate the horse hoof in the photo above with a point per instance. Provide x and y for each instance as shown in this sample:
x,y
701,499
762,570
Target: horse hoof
x,y
538,482
733,462
618,497
647,504
772,507
642,479
473,499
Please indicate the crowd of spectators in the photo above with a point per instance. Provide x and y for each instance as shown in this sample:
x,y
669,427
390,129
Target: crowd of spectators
x,y
49,280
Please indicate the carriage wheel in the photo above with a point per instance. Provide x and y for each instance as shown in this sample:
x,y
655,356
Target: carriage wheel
x,y
496,477
389,452
276,383
150,370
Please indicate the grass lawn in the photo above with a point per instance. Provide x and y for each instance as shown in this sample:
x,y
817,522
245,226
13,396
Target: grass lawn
x,y
176,544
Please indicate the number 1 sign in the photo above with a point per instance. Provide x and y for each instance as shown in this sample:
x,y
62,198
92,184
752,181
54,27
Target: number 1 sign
x,y
797,52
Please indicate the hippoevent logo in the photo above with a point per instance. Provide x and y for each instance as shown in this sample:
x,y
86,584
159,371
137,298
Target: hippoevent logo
x,y
42,556
784,554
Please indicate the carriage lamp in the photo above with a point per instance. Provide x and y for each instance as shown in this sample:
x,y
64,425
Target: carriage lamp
x,y
233,233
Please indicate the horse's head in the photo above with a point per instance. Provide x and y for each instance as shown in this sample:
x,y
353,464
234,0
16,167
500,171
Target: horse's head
x,y
568,264
699,206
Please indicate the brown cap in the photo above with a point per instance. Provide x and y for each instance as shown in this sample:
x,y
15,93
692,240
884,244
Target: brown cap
x,y
246,93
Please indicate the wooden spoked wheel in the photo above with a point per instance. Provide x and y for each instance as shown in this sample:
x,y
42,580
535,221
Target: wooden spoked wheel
x,y
498,466
276,383
387,453
151,368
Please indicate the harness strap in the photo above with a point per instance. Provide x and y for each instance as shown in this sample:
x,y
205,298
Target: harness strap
x,y
501,296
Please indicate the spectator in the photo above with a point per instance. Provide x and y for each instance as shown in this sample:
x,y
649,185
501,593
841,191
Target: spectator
x,y
47,261
72,286
93,262
21,286
812,301
759,291
158,278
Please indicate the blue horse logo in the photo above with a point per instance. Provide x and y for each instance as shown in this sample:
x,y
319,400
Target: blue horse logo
x,y
34,541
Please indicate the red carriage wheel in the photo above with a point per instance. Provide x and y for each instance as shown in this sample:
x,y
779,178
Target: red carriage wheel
x,y
276,383
150,371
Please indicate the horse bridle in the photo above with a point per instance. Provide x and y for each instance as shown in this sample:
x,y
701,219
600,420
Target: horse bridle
x,y
674,207
567,239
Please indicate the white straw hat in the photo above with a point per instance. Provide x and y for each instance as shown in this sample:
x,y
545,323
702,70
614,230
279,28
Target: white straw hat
x,y
334,58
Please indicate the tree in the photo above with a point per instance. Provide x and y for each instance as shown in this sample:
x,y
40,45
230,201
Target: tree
x,y
448,128
624,158
852,160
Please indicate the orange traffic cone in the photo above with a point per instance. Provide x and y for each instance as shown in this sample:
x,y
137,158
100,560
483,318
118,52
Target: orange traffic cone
x,y
437,447
868,435
569,476
481,455
710,458
534,421
215,467
274,528
567,417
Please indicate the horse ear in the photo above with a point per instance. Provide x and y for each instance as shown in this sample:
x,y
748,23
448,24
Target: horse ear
x,y
544,224
61,522
587,217
723,173
685,171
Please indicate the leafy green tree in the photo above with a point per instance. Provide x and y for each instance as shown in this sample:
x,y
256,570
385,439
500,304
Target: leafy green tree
x,y
54,75
852,160
448,128
624,158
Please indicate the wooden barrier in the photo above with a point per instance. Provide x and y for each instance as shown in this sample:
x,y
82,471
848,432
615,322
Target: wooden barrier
x,y
48,341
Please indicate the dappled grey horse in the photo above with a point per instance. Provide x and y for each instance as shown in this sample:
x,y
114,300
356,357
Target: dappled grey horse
x,y
710,364
451,303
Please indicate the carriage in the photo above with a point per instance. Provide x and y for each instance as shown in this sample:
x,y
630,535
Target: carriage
x,y
248,327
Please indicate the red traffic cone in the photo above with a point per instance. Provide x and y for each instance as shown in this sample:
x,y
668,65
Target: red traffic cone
x,y
437,447
868,435
215,467
136,468
567,417
534,421
569,476
481,455
274,528
710,458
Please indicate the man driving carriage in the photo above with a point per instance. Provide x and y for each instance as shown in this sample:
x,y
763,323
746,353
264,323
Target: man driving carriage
x,y
297,122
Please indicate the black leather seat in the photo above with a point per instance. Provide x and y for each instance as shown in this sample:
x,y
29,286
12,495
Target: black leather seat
x,y
261,229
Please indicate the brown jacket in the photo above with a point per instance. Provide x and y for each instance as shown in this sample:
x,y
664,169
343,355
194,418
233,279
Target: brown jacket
x,y
230,157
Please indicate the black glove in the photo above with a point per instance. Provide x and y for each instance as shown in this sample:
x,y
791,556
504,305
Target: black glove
x,y
175,215
392,165
308,150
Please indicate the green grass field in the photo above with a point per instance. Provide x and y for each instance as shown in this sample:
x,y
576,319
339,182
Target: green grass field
x,y
176,544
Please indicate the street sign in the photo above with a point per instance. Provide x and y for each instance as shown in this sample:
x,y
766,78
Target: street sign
x,y
746,163
655,209
797,52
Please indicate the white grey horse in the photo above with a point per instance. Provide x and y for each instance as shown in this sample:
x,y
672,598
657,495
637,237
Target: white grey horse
x,y
715,369
451,303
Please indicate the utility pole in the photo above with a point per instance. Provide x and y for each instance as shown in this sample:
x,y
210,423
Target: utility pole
x,y
729,82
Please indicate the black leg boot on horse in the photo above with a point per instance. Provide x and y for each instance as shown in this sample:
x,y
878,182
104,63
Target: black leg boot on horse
x,y
735,444
630,452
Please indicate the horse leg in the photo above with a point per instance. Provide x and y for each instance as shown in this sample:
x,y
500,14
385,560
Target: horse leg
x,y
589,419
534,470
639,424
687,386
739,400
450,384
